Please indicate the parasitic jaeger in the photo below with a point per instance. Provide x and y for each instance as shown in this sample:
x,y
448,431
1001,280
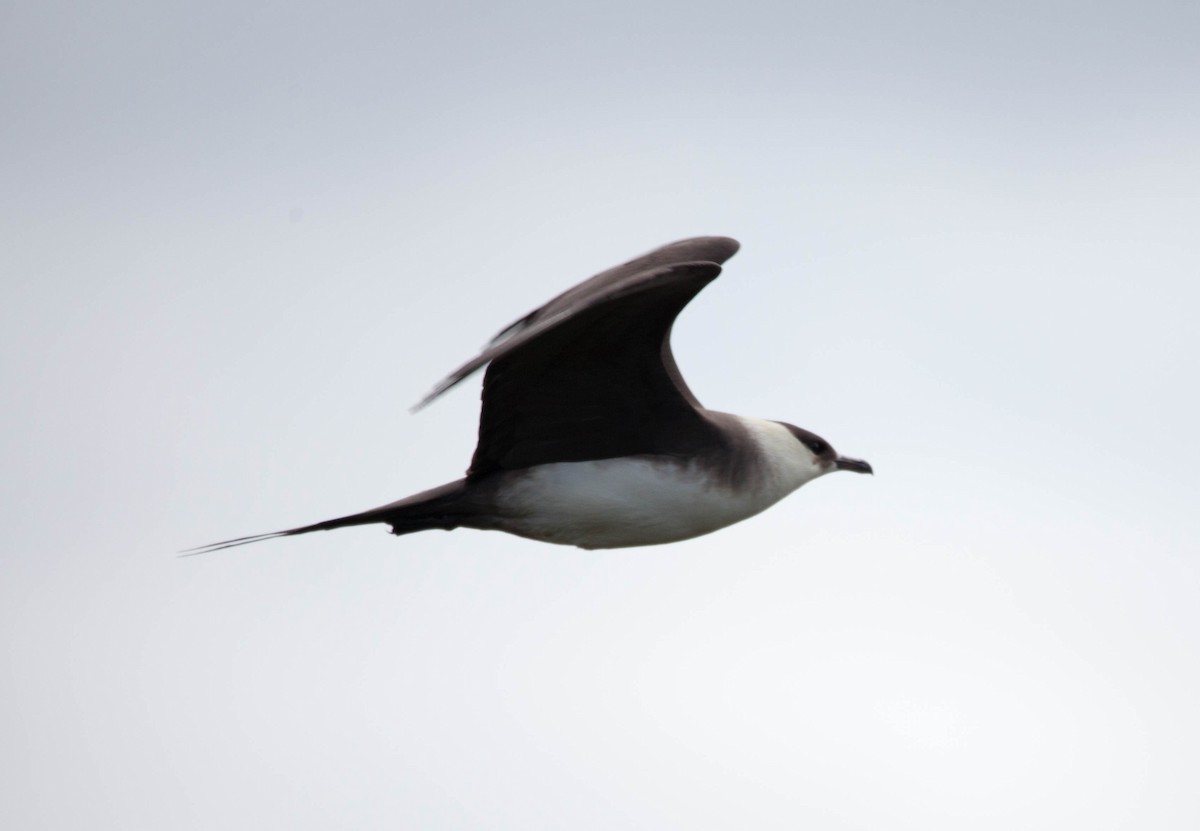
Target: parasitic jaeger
x,y
588,435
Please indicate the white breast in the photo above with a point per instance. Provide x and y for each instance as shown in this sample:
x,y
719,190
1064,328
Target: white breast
x,y
645,500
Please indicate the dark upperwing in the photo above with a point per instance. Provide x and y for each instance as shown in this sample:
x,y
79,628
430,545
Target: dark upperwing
x,y
590,374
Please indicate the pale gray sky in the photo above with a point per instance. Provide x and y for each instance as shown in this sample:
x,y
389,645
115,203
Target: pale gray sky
x,y
241,239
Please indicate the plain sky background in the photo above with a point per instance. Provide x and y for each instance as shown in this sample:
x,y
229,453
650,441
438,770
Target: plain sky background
x,y
240,239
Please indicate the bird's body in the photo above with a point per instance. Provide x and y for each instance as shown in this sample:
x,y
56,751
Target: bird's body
x,y
646,500
588,434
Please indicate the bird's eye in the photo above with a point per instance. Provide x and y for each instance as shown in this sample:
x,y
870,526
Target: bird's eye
x,y
817,447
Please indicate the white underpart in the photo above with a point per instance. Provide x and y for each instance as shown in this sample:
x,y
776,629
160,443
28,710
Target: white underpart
x,y
615,503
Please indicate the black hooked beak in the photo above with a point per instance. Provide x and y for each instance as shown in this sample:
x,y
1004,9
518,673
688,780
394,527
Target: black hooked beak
x,y
856,465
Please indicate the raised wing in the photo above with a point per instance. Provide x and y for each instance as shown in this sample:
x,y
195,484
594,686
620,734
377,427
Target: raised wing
x,y
696,249
590,375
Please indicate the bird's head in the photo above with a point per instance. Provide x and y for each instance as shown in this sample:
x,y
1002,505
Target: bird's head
x,y
821,456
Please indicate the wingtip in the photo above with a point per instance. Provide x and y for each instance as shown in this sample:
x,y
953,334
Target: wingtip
x,y
434,394
717,248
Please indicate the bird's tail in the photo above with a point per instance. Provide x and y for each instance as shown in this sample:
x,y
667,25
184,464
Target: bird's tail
x,y
441,507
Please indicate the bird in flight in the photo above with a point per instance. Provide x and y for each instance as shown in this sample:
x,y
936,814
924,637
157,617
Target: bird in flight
x,y
588,435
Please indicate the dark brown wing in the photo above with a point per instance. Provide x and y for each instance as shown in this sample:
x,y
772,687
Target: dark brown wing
x,y
590,374
696,249
596,384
